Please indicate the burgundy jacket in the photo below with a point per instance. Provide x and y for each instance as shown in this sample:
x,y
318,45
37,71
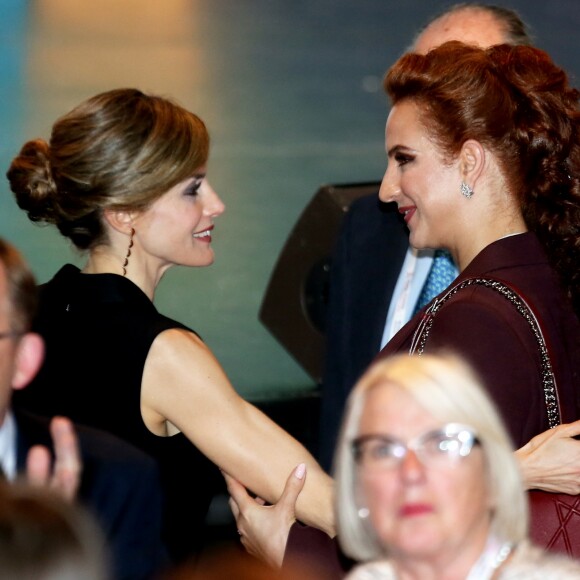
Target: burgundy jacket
x,y
486,329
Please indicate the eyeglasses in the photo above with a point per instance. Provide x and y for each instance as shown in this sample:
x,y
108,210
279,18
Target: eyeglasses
x,y
440,447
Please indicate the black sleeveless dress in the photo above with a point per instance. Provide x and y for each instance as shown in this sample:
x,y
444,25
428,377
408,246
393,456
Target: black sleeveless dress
x,y
98,330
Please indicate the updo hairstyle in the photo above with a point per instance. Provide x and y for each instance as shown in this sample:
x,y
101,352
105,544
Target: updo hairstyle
x,y
119,150
520,105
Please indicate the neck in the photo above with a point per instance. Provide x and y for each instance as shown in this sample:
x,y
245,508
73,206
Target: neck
x,y
492,214
104,260
447,562
468,248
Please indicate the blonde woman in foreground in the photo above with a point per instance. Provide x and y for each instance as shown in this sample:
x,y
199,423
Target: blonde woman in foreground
x,y
428,486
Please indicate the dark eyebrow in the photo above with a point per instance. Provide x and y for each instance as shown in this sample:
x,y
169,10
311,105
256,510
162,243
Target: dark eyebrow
x,y
396,149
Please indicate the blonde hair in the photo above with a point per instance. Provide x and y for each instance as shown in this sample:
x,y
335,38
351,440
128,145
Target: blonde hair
x,y
446,387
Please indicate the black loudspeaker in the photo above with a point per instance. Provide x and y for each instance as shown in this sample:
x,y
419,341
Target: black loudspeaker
x,y
294,306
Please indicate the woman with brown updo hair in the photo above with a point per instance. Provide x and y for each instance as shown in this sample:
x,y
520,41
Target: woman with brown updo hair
x,y
124,178
484,161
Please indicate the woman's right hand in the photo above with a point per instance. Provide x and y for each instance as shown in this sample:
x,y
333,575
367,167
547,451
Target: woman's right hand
x,y
551,460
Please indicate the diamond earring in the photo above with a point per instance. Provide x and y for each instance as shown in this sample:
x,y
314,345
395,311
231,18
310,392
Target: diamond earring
x,y
466,190
363,513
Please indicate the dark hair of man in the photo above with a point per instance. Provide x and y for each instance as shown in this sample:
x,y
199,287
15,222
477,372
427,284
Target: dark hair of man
x,y
516,30
22,292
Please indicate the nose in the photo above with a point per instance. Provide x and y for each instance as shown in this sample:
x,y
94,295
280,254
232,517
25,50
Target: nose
x,y
389,186
213,205
411,468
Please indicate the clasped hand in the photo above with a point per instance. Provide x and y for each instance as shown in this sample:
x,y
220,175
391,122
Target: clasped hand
x,y
551,460
264,528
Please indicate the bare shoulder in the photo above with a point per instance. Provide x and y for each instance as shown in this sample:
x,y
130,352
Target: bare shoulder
x,y
180,372
177,347
179,357
176,338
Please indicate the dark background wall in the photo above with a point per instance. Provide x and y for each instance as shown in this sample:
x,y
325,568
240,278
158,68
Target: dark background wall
x,y
291,92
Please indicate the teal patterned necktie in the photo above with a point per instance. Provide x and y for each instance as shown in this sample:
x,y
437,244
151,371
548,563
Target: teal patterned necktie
x,y
441,274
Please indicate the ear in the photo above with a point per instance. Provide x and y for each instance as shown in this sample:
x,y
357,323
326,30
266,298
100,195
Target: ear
x,y
471,162
28,359
121,221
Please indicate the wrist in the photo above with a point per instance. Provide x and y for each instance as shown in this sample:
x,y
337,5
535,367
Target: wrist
x,y
528,470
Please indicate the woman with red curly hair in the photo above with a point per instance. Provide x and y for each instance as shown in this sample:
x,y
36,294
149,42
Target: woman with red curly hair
x,y
483,161
484,158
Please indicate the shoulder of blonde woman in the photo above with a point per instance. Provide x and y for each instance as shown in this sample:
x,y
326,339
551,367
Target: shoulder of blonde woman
x,y
378,570
534,563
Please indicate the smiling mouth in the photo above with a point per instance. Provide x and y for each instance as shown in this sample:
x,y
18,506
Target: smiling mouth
x,y
407,212
204,233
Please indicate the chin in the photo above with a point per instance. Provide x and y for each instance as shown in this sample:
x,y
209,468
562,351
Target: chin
x,y
207,262
200,260
416,546
420,242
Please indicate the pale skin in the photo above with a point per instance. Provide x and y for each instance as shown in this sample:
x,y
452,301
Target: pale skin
x,y
184,389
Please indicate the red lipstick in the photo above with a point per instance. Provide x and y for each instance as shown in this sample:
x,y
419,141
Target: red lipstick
x,y
415,509
407,211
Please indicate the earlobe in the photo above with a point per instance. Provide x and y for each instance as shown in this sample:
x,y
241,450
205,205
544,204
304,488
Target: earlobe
x,y
28,359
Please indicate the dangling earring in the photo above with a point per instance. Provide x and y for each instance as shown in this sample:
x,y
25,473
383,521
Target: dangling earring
x,y
126,262
466,190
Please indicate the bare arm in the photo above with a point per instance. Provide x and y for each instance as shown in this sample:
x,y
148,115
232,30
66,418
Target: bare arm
x,y
185,389
551,460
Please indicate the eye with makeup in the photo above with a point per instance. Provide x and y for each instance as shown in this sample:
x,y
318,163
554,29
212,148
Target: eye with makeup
x,y
403,158
192,189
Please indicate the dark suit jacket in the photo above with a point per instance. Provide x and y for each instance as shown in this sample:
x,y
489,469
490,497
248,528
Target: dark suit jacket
x,y
119,486
366,263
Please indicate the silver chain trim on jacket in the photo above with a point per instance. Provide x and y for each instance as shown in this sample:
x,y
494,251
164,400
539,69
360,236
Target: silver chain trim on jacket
x,y
548,379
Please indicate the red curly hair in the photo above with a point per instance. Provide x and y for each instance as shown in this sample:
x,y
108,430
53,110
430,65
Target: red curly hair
x,y
521,106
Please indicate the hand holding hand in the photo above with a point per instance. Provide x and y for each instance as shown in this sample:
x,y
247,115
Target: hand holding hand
x,y
64,477
264,529
551,460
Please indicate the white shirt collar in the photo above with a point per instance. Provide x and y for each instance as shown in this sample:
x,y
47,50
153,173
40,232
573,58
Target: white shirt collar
x,y
8,446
